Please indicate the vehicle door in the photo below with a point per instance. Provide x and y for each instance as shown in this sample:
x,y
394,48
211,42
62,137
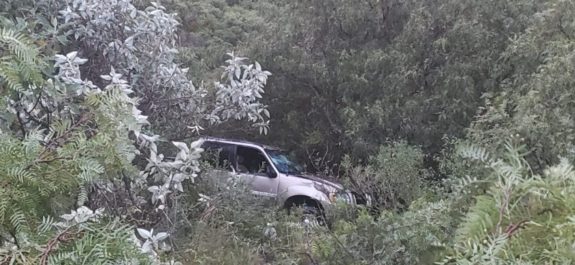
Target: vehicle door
x,y
220,159
252,168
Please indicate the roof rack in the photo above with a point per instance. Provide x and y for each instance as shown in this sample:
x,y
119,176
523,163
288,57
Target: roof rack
x,y
239,141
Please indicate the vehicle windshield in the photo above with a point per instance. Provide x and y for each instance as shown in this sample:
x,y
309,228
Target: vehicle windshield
x,y
283,162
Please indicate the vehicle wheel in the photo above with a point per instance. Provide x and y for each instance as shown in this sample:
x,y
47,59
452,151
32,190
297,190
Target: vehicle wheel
x,y
312,214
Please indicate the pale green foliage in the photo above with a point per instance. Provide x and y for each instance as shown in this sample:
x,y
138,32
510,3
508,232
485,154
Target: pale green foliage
x,y
394,177
79,78
354,75
69,132
144,50
51,159
80,239
226,224
24,195
211,245
482,217
62,131
414,237
239,96
168,175
61,151
212,28
523,217
19,61
534,102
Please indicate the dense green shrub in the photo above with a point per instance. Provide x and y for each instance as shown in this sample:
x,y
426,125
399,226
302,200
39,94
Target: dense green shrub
x,y
534,105
523,217
79,239
394,177
416,236
84,179
226,224
71,127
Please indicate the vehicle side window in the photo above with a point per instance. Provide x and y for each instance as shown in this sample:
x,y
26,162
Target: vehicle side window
x,y
218,155
251,160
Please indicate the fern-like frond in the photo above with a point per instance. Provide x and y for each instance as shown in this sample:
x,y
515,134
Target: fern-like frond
x,y
20,64
59,127
562,172
4,207
474,153
64,258
82,196
19,45
19,174
479,221
11,76
47,224
18,220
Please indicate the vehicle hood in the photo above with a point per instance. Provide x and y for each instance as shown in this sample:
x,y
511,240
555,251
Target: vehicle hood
x,y
329,184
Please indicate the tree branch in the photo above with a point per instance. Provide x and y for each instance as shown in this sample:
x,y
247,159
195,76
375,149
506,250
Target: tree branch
x,y
51,245
21,123
58,141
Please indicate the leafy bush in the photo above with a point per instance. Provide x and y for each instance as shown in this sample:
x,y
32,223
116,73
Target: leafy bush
x,y
394,177
416,236
71,132
84,178
211,245
78,239
226,224
523,218
534,102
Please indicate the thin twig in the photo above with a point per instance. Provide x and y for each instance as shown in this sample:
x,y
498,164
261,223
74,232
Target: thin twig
x,y
50,246
54,142
504,206
32,117
512,228
41,160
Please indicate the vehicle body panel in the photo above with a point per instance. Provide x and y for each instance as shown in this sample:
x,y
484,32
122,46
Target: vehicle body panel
x,y
274,183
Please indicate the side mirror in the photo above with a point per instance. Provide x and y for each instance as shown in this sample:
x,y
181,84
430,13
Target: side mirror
x,y
271,172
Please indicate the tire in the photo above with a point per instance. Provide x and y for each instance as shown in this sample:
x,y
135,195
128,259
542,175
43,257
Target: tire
x,y
312,213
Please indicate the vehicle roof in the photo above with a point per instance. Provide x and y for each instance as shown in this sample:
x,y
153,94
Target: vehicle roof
x,y
238,141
